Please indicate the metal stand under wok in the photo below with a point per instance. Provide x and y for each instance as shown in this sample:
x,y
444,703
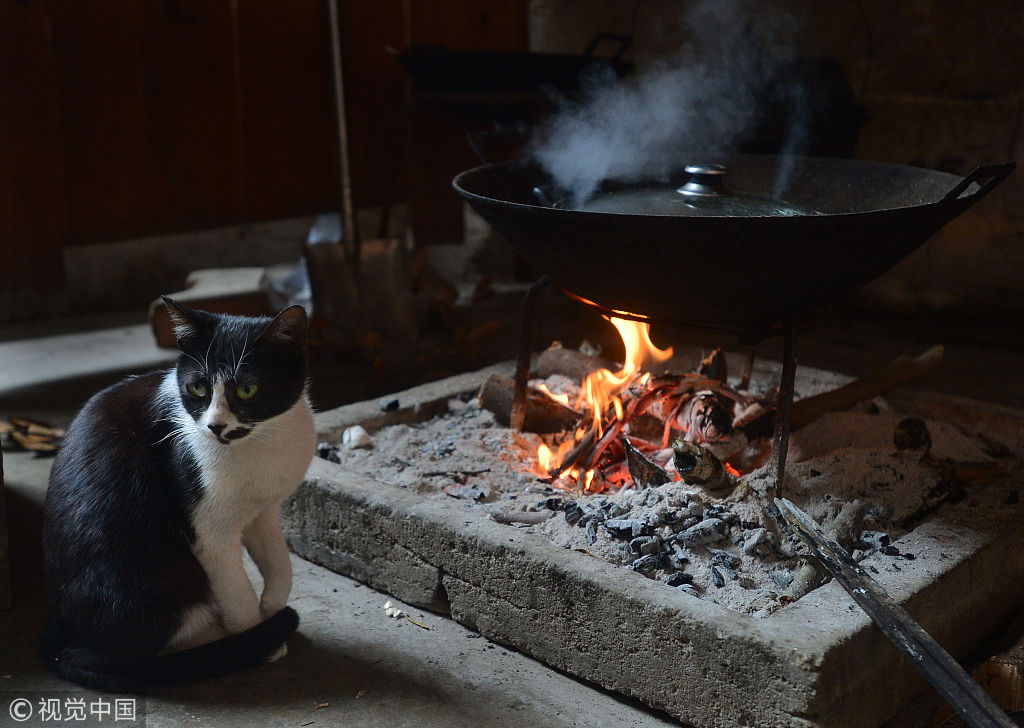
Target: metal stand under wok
x,y
783,411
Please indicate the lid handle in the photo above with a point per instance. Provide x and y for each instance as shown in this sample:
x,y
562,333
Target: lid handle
x,y
705,181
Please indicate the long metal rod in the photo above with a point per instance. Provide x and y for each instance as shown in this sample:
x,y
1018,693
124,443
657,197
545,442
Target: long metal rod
x,y
784,410
964,695
348,215
517,418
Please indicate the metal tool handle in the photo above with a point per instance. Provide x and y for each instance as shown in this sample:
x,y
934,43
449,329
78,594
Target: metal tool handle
x,y
985,177
964,695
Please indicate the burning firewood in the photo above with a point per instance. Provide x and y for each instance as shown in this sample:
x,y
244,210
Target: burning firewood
x,y
714,366
645,473
571,363
697,465
543,414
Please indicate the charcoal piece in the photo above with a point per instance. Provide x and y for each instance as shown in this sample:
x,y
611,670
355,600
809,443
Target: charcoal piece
x,y
328,452
614,510
592,514
757,541
710,530
720,512
645,564
552,504
912,434
869,540
679,578
628,527
750,525
686,523
724,558
592,532
652,498
387,404
573,512
716,577
644,472
645,545
668,518
695,508
891,550
676,562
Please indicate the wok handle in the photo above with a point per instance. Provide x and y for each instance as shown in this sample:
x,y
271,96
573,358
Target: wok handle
x,y
624,41
986,177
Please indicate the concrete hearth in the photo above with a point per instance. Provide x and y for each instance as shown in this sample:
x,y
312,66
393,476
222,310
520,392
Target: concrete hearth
x,y
817,662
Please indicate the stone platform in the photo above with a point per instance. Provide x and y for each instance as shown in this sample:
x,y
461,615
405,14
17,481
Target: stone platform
x,y
818,662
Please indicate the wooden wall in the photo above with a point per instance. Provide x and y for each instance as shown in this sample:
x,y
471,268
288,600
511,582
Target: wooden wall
x,y
127,118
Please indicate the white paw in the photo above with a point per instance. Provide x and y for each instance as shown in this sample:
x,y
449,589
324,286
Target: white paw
x,y
281,652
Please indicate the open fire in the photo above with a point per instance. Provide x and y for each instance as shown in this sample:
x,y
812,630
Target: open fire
x,y
636,427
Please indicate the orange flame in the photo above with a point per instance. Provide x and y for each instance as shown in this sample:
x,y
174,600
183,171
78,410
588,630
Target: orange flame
x,y
599,390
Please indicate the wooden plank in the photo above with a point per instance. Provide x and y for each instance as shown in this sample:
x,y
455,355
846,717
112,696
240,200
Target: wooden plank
x,y
192,108
288,118
438,126
30,165
375,87
98,54
470,25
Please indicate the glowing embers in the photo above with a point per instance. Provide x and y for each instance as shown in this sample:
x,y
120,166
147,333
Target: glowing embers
x,y
631,410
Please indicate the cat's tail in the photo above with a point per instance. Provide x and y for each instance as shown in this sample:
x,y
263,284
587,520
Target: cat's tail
x,y
227,655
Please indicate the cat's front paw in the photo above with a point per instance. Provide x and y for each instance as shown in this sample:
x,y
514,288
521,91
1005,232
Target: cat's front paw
x,y
281,652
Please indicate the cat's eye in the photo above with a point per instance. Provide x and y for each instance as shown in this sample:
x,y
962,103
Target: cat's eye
x,y
197,389
246,391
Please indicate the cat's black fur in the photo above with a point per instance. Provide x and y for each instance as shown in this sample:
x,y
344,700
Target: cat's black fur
x,y
118,531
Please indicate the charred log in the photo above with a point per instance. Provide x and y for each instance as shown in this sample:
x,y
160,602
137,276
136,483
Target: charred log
x,y
697,465
644,472
897,373
571,363
543,414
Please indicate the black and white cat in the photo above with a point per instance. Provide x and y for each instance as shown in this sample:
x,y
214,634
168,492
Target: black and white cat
x,y
161,480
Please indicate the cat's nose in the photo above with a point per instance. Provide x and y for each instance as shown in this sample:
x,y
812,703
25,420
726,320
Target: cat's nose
x,y
217,429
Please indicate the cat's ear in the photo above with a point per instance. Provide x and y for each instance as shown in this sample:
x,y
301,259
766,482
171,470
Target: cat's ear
x,y
187,321
288,327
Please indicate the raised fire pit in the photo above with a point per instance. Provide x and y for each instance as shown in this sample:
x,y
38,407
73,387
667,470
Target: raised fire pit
x,y
817,661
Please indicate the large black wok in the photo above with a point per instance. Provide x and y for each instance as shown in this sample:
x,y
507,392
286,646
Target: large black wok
x,y
740,273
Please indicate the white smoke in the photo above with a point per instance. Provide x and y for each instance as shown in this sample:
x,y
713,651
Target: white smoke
x,y
693,107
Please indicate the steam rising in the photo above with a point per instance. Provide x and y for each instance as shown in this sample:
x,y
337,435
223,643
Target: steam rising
x,y
694,107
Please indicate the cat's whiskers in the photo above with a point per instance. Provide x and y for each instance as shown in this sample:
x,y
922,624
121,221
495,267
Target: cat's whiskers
x,y
241,359
206,364
190,356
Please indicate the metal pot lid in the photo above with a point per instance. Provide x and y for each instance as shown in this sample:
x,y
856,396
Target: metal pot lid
x,y
703,195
